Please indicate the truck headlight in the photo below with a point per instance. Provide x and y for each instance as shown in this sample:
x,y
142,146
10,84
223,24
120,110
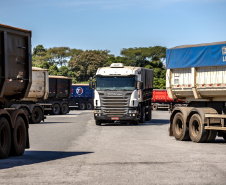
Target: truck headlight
x,y
133,111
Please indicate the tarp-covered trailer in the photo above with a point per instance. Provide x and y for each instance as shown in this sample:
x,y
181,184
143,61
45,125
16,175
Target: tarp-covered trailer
x,y
197,75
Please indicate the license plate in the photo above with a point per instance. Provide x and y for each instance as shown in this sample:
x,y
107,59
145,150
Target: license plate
x,y
114,118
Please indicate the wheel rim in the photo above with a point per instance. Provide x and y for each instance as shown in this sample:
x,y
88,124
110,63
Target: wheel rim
x,y
89,106
195,128
82,106
56,108
64,108
179,126
36,115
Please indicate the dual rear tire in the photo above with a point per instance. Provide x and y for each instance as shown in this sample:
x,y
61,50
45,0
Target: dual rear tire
x,y
12,140
193,130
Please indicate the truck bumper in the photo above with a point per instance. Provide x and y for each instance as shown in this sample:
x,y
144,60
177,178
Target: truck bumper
x,y
128,117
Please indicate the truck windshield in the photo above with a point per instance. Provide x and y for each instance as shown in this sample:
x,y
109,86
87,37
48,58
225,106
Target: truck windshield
x,y
115,83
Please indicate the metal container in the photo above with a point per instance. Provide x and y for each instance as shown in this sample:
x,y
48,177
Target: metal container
x,y
81,91
15,63
40,84
197,72
59,87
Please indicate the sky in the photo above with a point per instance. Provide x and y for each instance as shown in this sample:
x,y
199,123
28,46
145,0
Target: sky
x,y
117,24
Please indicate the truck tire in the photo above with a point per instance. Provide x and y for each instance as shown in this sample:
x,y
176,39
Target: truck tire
x,y
211,136
64,109
82,106
98,122
154,107
148,116
196,129
56,109
142,114
180,128
19,137
37,115
5,138
89,106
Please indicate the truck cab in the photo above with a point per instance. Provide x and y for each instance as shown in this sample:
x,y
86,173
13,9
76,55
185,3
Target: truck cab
x,y
118,94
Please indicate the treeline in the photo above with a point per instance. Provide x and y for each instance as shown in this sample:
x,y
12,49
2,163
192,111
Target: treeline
x,y
80,65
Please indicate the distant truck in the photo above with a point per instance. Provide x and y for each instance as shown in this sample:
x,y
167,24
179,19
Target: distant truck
x,y
50,91
15,82
122,94
48,95
161,100
81,97
59,94
197,75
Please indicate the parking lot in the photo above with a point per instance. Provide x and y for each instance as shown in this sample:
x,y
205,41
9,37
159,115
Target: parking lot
x,y
72,149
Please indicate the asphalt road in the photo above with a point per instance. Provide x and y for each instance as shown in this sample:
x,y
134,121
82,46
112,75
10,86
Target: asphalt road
x,y
71,149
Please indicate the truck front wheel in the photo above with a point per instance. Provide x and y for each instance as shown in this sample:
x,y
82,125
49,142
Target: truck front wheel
x,y
19,137
5,138
180,128
196,129
142,114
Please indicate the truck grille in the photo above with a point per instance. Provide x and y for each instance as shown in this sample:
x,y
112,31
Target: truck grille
x,y
115,106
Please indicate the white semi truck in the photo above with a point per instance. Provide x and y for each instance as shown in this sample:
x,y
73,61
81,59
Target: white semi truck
x,y
122,94
197,75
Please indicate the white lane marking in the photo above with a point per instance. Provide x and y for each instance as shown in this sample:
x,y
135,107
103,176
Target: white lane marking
x,y
62,116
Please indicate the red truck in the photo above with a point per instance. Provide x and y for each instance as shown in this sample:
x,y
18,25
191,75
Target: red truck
x,y
161,100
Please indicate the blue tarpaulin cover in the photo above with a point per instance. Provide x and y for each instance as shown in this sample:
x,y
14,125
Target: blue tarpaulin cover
x,y
202,55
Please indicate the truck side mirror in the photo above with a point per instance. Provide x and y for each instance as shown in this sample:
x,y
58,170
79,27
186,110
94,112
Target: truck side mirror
x,y
140,85
90,82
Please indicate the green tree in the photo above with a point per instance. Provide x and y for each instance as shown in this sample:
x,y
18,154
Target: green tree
x,y
86,63
143,56
53,70
45,65
58,55
63,71
39,56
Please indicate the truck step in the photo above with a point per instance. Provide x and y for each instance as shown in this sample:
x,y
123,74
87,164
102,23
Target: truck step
x,y
220,116
215,128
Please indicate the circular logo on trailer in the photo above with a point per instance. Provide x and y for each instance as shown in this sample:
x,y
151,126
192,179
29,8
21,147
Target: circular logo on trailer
x,y
79,90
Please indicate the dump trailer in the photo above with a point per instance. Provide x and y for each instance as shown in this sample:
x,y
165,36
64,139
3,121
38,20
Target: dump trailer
x,y
39,91
122,94
59,94
15,82
197,75
161,100
81,97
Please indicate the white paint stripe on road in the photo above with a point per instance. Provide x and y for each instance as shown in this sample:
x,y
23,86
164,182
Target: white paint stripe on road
x,y
62,116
